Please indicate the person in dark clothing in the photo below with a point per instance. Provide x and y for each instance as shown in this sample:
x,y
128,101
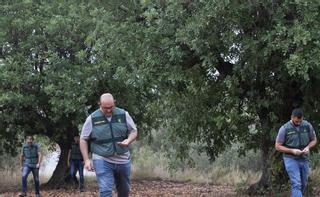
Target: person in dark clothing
x,y
75,162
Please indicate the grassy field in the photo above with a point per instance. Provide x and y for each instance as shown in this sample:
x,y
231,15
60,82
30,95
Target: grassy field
x,y
153,175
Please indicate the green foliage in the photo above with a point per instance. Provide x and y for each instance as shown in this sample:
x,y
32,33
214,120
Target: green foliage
x,y
56,60
229,71
210,72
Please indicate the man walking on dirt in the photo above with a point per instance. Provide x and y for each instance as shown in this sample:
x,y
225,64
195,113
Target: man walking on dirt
x,y
75,162
109,130
30,160
294,140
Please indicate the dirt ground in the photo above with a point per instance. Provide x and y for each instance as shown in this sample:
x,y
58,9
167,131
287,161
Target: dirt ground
x,y
145,188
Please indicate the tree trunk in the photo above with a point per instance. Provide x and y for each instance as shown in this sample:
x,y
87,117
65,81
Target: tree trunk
x,y
265,156
61,175
265,149
274,176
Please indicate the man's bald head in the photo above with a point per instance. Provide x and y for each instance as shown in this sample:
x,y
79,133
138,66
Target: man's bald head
x,y
107,104
106,97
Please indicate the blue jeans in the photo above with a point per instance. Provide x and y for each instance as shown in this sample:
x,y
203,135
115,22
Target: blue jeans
x,y
77,165
25,172
298,171
109,173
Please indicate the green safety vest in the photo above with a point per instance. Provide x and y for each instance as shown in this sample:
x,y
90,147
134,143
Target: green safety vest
x,y
105,134
75,152
296,137
31,155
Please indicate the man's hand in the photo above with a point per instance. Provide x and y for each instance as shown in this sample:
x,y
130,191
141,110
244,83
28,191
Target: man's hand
x,y
88,165
38,165
21,168
124,143
297,152
306,150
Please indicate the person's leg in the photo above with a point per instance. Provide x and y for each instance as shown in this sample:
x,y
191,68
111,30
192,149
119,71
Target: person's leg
x,y
81,175
73,172
304,170
35,173
104,175
77,169
293,169
71,169
122,179
25,172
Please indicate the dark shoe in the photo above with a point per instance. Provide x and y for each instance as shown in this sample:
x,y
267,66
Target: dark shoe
x,y
81,190
22,194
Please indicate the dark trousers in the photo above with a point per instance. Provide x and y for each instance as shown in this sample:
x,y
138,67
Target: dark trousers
x,y
76,165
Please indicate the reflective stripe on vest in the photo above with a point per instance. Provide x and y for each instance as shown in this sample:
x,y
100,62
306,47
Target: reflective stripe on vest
x,y
105,134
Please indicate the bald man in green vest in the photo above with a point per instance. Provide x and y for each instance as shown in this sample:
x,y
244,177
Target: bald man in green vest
x,y
110,130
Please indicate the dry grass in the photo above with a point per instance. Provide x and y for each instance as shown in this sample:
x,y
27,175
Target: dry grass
x,y
9,179
150,165
315,180
217,176
220,175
